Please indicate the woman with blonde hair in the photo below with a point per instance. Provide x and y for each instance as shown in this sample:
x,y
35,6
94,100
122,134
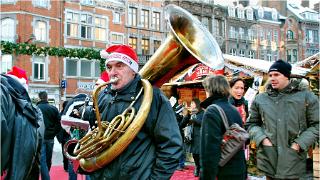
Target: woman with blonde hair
x,y
218,90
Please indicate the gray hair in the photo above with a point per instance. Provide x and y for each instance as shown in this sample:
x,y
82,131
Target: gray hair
x,y
216,85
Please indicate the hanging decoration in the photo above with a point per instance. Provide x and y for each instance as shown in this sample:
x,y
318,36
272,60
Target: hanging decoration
x,y
31,49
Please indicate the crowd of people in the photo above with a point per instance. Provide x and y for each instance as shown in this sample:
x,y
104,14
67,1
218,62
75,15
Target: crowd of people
x,y
283,122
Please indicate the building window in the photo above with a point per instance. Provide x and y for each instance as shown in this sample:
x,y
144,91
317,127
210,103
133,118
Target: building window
x,y
275,36
260,12
232,32
269,35
261,35
72,24
145,46
295,56
38,68
275,56
269,56
251,54
116,38
156,20
312,36
85,67
8,1
116,18
100,29
292,55
145,18
7,29
156,45
71,67
241,13
205,22
41,3
233,52
6,63
133,42
241,53
241,33
316,36
132,16
216,27
87,2
97,69
289,35
250,35
262,54
41,31
249,14
231,11
86,26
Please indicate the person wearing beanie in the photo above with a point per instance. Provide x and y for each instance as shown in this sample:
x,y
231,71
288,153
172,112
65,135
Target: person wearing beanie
x,y
284,123
154,153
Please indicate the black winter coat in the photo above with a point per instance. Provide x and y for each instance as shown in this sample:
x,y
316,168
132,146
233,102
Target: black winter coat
x,y
155,151
211,137
51,118
20,136
194,146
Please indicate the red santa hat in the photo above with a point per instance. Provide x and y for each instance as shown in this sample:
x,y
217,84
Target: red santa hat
x,y
121,53
103,78
20,75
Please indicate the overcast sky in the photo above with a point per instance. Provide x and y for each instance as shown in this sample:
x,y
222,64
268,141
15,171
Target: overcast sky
x,y
254,2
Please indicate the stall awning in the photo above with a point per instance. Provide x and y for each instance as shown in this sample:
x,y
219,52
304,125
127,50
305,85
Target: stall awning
x,y
311,63
260,65
192,75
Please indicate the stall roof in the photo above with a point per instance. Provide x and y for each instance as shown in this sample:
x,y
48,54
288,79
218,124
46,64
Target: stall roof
x,y
247,65
311,62
261,65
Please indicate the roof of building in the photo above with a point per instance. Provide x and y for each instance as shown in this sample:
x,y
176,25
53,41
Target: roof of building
x,y
302,12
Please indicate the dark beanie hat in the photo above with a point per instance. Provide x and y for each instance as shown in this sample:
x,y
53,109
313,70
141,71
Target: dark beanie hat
x,y
282,67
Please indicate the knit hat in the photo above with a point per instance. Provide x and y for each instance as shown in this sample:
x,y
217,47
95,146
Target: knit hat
x,y
20,75
282,67
103,78
121,53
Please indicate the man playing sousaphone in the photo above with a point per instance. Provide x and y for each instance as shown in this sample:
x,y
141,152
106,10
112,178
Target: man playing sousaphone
x,y
154,153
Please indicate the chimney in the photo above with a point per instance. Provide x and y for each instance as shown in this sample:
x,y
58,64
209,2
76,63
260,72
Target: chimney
x,y
305,3
317,7
244,3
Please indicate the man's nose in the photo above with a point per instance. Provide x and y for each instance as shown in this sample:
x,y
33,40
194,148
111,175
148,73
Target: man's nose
x,y
112,71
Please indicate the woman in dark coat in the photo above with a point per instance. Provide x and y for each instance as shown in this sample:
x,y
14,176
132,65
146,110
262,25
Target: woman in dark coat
x,y
237,85
195,120
217,91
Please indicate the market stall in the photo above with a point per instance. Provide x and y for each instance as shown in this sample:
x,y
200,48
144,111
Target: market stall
x,y
187,84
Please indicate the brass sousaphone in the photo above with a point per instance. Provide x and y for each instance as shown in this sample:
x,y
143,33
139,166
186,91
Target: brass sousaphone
x,y
187,43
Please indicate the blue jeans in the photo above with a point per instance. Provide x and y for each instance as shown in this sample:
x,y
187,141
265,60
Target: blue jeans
x,y
72,174
46,158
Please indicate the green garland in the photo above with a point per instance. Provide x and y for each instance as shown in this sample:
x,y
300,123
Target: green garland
x,y
32,49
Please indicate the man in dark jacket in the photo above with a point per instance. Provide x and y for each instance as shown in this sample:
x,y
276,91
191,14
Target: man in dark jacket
x,y
284,123
51,118
154,153
20,134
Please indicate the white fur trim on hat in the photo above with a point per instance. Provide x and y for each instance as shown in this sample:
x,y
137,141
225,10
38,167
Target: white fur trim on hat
x,y
122,58
100,81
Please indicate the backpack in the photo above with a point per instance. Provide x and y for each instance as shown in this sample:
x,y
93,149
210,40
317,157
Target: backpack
x,y
233,139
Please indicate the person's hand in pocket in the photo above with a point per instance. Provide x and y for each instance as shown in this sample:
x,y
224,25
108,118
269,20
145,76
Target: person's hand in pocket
x,y
295,146
266,142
